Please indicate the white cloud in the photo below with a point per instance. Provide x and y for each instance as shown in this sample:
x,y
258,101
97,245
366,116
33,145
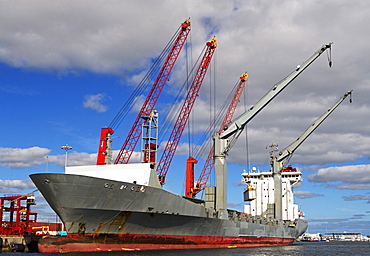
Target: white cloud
x,y
351,177
35,156
357,197
23,158
106,37
73,159
351,173
351,186
111,37
328,220
82,158
94,102
305,194
15,186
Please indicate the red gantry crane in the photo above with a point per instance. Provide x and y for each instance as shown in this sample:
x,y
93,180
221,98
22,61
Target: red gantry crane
x,y
134,134
192,189
19,214
185,111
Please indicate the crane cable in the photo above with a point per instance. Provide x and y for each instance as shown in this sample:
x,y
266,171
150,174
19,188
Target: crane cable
x,y
246,133
191,116
205,141
143,85
174,110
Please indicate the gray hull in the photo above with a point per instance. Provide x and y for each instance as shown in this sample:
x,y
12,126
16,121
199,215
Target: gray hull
x,y
89,205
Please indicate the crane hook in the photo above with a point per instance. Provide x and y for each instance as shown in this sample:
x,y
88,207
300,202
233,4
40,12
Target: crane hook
x,y
328,53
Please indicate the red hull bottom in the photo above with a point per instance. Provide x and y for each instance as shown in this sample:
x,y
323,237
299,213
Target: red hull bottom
x,y
90,243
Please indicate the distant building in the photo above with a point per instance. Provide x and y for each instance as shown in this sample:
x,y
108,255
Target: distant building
x,y
347,236
307,237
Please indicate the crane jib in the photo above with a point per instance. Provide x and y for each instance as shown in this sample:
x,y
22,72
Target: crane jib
x,y
172,143
223,144
134,134
276,89
292,147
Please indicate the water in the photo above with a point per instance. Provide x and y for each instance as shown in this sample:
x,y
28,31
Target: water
x,y
336,248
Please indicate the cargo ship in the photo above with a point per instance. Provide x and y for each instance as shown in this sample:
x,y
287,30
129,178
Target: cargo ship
x,y
124,207
132,212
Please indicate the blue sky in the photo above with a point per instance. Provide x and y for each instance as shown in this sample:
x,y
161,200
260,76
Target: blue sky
x,y
67,67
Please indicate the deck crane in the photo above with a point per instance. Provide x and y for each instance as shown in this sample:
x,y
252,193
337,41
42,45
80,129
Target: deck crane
x,y
173,141
134,134
223,144
280,161
191,189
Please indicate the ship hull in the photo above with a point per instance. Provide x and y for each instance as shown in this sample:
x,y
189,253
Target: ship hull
x,y
89,243
109,215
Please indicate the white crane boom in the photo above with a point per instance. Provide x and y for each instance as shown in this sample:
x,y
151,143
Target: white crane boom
x,y
288,151
223,145
239,124
278,165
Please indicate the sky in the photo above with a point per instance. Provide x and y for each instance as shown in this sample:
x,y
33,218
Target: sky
x,y
67,67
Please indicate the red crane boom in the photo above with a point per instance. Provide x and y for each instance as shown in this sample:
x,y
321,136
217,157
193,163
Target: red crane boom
x,y
192,189
134,134
185,111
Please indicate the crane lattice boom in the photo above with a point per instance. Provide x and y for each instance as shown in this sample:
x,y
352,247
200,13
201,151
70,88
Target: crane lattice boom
x,y
185,111
134,134
200,185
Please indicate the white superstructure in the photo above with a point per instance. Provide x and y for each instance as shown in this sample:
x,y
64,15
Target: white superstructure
x,y
270,193
260,193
